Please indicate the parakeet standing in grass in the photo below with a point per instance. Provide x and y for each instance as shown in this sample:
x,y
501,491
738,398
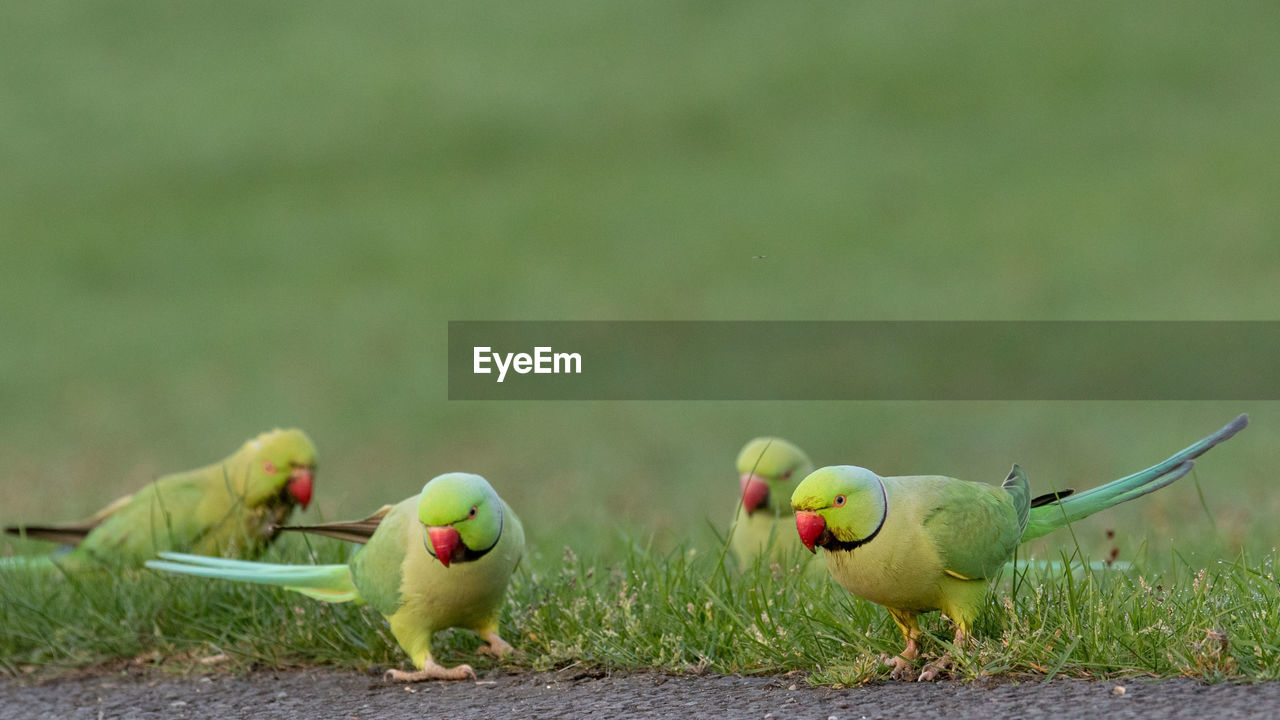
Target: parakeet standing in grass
x,y
768,469
232,508
922,543
440,559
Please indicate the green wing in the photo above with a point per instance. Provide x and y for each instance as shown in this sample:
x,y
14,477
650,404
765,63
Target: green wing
x,y
165,515
378,568
974,526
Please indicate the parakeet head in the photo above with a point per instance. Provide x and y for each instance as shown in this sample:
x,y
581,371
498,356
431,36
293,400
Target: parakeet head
x,y
461,517
768,467
839,507
278,464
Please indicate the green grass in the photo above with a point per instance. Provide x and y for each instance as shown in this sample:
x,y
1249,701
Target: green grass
x,y
228,217
681,611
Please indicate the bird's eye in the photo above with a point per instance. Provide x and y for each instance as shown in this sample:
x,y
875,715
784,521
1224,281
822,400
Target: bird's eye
x,y
473,512
786,475
839,501
268,467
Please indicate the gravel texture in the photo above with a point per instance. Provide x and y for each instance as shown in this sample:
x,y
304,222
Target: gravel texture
x,y
331,693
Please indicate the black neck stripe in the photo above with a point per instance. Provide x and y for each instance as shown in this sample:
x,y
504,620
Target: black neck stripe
x,y
828,541
468,554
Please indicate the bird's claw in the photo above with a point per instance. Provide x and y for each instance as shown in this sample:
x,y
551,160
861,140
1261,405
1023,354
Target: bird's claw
x,y
935,669
431,672
903,669
497,648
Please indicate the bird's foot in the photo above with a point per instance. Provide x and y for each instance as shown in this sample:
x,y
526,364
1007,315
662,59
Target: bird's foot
x,y
936,669
903,669
432,671
497,647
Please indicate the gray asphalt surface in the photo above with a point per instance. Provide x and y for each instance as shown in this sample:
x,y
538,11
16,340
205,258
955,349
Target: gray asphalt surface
x,y
327,693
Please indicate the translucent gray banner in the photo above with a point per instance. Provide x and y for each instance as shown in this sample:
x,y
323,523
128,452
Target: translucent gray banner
x,y
766,360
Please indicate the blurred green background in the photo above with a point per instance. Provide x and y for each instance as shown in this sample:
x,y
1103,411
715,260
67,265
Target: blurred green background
x,y
216,218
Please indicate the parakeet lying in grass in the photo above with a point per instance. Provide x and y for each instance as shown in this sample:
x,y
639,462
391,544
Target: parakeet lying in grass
x,y
922,543
231,508
440,559
768,468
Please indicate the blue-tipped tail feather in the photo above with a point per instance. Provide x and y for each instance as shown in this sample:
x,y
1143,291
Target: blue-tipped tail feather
x,y
331,583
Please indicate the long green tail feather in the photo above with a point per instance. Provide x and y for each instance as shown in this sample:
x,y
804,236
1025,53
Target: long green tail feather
x,y
29,562
331,583
1047,518
1055,567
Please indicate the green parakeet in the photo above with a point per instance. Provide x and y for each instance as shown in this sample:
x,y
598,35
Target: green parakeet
x,y
232,508
768,468
440,559
922,543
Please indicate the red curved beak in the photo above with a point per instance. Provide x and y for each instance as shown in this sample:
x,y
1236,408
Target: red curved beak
x,y
444,541
810,525
754,492
300,481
